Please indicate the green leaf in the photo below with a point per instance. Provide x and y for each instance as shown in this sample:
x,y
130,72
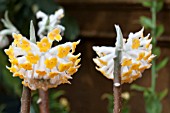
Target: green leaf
x,y
156,51
2,107
159,5
107,96
12,84
146,22
159,30
57,94
162,94
162,64
147,3
137,87
152,103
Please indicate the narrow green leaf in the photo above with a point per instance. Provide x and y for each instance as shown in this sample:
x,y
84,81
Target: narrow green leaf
x,y
57,94
146,22
159,5
162,94
137,87
107,96
159,30
147,3
162,64
156,51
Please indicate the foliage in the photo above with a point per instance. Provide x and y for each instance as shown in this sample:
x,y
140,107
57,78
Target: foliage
x,y
109,97
54,102
11,85
152,98
22,11
2,106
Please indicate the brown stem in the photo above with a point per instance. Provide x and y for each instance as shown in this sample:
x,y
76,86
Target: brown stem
x,y
43,105
117,83
25,100
117,72
117,100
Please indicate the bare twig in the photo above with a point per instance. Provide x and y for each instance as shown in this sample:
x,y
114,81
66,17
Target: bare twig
x,y
43,105
25,100
117,72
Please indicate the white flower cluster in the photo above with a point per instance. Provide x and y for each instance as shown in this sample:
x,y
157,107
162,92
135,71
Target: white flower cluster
x,y
49,22
136,57
39,65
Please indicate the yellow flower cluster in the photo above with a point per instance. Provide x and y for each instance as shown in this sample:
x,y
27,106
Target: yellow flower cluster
x,y
136,57
39,65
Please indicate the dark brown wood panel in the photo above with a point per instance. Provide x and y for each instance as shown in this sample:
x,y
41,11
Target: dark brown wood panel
x,y
96,19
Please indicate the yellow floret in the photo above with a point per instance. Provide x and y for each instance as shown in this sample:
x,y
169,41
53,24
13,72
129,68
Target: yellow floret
x,y
126,62
27,66
63,51
63,67
14,61
44,45
32,58
17,74
64,79
127,73
134,77
147,56
72,70
10,52
147,45
142,68
135,66
55,35
135,43
74,58
53,74
141,56
25,84
74,46
51,63
12,69
102,61
127,80
41,73
17,38
25,45
77,61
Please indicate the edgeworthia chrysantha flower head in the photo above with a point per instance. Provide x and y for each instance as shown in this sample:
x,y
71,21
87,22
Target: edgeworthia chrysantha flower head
x,y
136,57
39,65
49,22
10,28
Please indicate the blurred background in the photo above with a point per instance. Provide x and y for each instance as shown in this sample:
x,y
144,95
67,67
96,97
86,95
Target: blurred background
x,y
92,21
